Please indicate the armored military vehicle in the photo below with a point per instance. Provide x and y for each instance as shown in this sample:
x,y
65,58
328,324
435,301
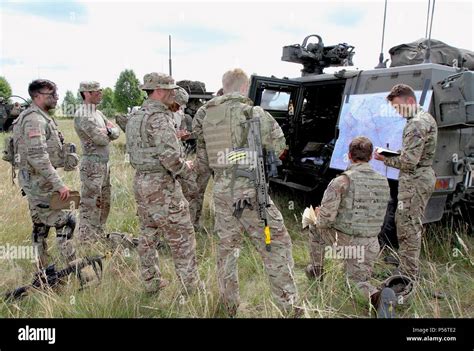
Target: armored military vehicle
x,y
9,111
314,109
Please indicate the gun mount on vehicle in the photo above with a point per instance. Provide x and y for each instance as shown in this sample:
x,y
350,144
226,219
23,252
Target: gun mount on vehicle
x,y
315,56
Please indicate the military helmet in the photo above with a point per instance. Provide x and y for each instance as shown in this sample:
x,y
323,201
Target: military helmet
x,y
181,97
401,284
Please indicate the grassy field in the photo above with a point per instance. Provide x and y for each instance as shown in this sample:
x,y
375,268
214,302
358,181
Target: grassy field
x,y
447,267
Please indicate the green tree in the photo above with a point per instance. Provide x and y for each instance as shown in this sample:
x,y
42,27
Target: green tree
x,y
107,105
69,105
5,88
127,91
79,99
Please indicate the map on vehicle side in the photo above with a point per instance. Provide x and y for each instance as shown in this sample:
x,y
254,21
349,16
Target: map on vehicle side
x,y
370,115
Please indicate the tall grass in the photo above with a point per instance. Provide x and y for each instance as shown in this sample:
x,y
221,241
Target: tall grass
x,y
447,267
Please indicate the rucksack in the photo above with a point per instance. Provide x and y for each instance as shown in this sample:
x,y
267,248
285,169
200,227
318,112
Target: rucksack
x,y
8,153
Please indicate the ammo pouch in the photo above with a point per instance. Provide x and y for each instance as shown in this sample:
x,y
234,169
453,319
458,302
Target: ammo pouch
x,y
69,156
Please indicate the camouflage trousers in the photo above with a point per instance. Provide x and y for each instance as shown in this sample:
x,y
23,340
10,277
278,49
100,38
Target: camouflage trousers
x,y
203,174
413,195
358,253
163,210
278,262
38,192
94,207
192,195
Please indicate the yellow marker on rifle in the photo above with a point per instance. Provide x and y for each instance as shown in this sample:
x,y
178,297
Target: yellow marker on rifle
x,y
268,238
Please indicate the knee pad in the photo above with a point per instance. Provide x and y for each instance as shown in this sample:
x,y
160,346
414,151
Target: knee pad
x,y
67,230
40,229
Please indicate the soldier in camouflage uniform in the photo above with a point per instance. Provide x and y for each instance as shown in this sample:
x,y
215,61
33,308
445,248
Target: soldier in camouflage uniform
x,y
417,179
189,187
95,133
349,219
220,131
38,153
156,154
184,122
203,172
180,100
201,166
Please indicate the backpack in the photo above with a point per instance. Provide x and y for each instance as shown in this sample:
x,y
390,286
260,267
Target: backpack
x,y
8,153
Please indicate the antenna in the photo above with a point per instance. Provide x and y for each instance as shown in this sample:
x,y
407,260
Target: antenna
x,y
428,50
171,72
427,18
383,64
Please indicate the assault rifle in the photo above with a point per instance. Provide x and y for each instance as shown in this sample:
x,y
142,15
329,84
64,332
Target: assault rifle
x,y
256,171
49,277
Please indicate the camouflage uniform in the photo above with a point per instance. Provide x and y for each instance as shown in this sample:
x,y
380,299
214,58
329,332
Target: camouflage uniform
x,y
156,154
222,129
350,217
188,185
415,185
39,151
201,166
187,124
90,125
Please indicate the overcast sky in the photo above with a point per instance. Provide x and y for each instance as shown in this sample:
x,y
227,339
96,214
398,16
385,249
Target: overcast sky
x,y
70,41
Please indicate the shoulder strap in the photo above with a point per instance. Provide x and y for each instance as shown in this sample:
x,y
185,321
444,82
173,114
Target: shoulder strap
x,y
143,123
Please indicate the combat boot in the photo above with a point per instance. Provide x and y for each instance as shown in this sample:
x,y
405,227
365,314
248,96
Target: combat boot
x,y
40,245
392,260
384,302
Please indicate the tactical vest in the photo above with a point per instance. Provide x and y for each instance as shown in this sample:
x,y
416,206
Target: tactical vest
x,y
223,131
143,156
54,145
362,210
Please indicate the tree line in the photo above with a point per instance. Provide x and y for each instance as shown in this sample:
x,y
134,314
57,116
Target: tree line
x,y
125,94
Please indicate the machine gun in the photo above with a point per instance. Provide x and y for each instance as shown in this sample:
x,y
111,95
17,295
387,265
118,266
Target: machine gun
x,y
256,172
316,57
49,277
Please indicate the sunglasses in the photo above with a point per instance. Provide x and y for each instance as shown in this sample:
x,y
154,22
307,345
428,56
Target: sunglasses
x,y
53,94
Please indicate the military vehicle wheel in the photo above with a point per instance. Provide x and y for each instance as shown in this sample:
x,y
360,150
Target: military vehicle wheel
x,y
467,215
